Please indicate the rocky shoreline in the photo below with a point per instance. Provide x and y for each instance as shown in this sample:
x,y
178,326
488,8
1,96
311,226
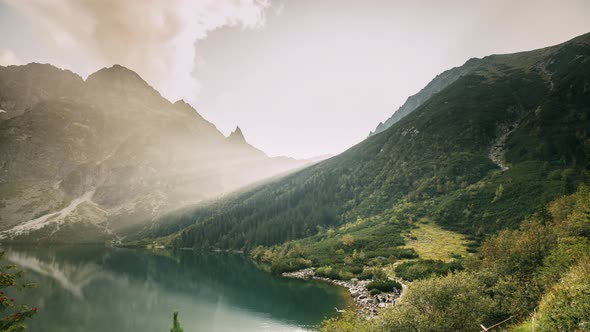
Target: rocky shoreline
x,y
366,304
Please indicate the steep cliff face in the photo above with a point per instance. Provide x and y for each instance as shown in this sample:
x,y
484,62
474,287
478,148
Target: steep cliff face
x,y
113,140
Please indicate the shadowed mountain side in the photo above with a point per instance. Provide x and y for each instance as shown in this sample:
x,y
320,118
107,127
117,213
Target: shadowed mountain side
x,y
115,136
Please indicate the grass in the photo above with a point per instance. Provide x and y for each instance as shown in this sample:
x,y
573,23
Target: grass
x,y
522,327
431,241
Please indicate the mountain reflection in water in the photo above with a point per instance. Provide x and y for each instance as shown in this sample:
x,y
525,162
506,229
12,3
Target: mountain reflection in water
x,y
83,288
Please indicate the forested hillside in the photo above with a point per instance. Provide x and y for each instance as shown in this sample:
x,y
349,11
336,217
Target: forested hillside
x,y
493,147
439,83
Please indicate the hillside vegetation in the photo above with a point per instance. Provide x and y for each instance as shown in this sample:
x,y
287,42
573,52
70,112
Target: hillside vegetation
x,y
539,270
496,156
434,163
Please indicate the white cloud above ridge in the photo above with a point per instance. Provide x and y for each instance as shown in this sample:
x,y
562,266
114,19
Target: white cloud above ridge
x,y
156,38
7,58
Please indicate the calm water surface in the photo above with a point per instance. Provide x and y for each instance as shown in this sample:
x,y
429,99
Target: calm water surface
x,y
108,289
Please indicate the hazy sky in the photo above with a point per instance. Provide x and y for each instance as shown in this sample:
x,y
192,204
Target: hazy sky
x,y
300,77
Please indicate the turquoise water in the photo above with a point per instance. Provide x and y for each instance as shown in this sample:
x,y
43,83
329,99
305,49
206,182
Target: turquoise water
x,y
109,289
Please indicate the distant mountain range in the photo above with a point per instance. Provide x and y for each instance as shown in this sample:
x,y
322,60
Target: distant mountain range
x,y
90,160
479,149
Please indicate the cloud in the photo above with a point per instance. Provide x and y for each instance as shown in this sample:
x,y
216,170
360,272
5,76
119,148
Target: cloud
x,y
7,57
156,38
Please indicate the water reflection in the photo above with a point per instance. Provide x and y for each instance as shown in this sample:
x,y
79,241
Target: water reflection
x,y
104,289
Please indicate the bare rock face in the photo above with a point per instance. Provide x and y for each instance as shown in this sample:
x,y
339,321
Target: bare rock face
x,y
114,140
22,87
237,136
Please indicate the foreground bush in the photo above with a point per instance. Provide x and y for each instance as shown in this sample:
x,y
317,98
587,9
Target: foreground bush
x,y
456,302
566,307
349,322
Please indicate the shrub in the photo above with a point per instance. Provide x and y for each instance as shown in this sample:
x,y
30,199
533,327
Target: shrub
x,y
334,273
456,302
281,265
519,252
425,268
357,269
326,272
567,253
566,307
372,273
384,285
374,292
349,322
406,253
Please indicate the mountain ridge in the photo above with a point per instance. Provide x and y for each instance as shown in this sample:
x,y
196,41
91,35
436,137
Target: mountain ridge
x,y
449,76
112,135
433,165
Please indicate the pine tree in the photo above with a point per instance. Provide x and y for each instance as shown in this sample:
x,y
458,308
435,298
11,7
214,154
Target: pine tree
x,y
10,276
176,324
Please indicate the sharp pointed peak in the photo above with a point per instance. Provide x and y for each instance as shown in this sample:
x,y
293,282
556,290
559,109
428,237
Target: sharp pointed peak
x,y
237,135
181,104
185,107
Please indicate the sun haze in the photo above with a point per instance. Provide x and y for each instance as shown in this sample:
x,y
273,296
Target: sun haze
x,y
301,78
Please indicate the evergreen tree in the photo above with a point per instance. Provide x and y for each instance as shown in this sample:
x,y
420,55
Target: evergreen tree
x,y
176,324
14,315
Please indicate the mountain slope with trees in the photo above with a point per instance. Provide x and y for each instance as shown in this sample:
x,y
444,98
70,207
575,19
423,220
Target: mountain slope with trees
x,y
433,164
440,82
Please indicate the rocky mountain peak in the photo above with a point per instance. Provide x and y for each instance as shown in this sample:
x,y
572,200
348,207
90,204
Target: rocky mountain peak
x,y
22,87
237,135
117,72
45,69
186,108
118,80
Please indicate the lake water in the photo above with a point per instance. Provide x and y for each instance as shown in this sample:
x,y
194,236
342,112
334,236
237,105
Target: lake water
x,y
90,289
